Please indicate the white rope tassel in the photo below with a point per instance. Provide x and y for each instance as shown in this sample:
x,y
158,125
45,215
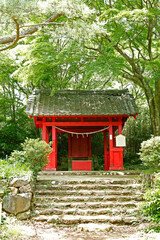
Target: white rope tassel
x,y
87,133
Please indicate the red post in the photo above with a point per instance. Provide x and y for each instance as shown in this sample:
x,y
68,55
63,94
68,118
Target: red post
x,y
106,157
44,132
116,153
120,129
54,146
52,165
90,150
121,150
47,135
111,147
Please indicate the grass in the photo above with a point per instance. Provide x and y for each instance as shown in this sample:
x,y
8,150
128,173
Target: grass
x,y
9,230
9,170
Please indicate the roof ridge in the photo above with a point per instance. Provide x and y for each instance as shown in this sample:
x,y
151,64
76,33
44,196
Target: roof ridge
x,y
81,102
83,91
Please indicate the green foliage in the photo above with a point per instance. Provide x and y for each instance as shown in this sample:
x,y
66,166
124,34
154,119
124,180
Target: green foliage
x,y
10,170
136,131
15,125
17,157
35,154
150,152
152,205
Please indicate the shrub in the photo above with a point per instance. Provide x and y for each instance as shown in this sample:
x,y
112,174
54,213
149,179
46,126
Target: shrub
x,y
150,152
10,170
35,154
151,205
18,157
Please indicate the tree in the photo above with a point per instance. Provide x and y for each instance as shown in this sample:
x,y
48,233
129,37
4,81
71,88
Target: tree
x,y
128,38
15,125
16,11
132,30
123,36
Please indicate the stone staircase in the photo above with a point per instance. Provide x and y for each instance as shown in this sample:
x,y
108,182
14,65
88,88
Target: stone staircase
x,y
71,198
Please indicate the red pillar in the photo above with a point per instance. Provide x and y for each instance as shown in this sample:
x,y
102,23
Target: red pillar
x,y
52,165
54,146
120,150
116,153
106,155
47,135
44,132
111,148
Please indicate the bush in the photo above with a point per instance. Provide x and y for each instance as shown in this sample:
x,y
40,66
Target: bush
x,y
10,170
18,157
35,154
151,205
150,153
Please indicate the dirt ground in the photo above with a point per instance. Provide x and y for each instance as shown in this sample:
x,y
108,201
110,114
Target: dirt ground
x,y
42,231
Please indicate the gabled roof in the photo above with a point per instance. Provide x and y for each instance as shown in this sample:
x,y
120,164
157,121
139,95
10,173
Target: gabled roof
x,y
81,102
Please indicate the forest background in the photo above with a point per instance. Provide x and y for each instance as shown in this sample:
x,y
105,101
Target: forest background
x,y
79,44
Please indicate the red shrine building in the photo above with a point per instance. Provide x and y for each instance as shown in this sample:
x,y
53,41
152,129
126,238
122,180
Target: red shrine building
x,y
81,113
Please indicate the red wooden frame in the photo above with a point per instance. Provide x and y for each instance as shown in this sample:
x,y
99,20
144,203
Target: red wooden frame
x,y
71,146
113,157
81,165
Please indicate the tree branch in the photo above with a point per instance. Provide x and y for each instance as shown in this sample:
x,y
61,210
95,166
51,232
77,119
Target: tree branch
x,y
29,31
127,75
41,24
16,38
95,49
106,82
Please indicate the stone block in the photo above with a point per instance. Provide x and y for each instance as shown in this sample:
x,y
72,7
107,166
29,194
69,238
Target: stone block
x,y
17,203
14,190
19,182
24,215
95,227
25,189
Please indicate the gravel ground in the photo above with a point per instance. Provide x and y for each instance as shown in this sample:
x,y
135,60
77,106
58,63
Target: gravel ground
x,y
42,231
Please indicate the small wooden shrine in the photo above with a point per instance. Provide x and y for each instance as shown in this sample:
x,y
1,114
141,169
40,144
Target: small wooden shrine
x,y
80,114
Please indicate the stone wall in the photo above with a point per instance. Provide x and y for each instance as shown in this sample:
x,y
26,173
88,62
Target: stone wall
x,y
19,200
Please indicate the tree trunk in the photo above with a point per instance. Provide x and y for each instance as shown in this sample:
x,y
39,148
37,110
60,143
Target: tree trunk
x,y
153,99
154,108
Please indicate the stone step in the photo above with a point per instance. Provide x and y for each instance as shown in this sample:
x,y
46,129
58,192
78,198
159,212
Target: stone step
x,y
114,198
90,193
86,181
70,198
82,205
99,211
71,219
89,187
95,173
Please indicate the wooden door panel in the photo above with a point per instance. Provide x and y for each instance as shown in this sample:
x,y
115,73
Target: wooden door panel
x,y
79,146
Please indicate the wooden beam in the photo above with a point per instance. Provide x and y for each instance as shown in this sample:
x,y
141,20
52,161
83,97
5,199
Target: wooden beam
x,y
90,116
82,124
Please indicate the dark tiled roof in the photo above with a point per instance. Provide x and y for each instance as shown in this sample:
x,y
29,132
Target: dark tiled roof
x,y
81,102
